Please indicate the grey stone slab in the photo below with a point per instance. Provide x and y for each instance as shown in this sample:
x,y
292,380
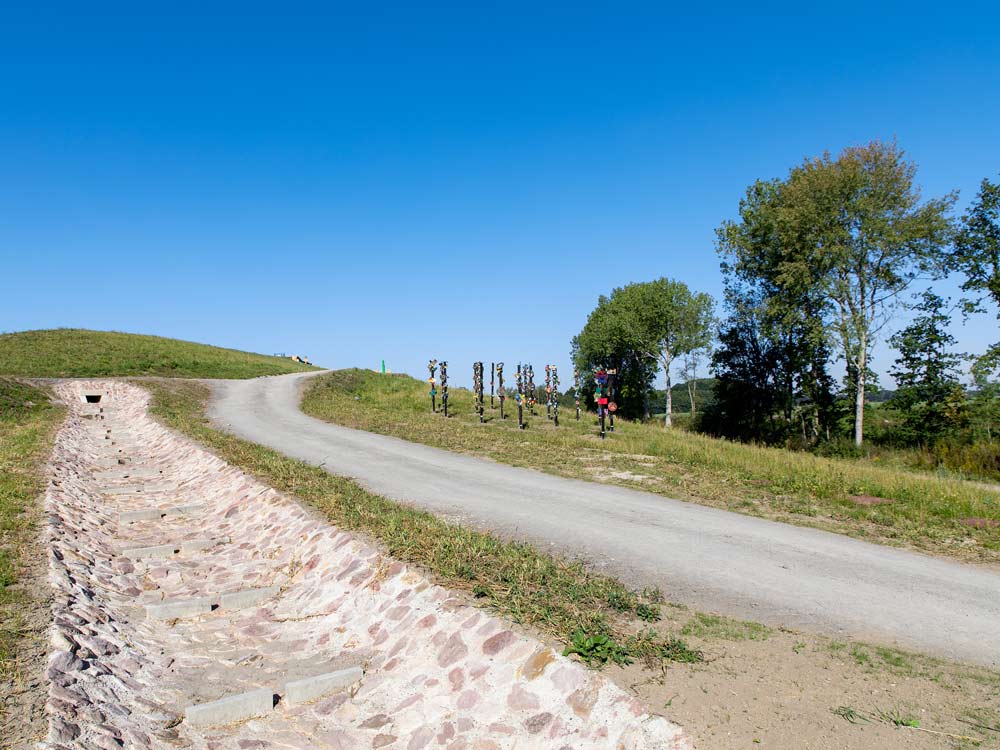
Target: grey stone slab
x,y
191,509
180,608
144,488
311,688
110,463
158,550
143,514
247,597
135,472
118,491
200,545
231,710
117,473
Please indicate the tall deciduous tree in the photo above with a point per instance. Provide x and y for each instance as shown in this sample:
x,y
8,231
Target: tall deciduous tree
x,y
666,320
648,323
773,355
604,342
977,255
857,227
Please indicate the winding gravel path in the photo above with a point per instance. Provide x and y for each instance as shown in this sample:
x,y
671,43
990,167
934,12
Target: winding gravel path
x,y
708,558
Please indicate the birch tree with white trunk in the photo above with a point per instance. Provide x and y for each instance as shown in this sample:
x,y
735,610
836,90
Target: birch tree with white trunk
x,y
856,225
663,320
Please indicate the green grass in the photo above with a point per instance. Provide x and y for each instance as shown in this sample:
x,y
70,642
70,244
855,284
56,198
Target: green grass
x,y
27,425
715,626
773,483
560,597
77,353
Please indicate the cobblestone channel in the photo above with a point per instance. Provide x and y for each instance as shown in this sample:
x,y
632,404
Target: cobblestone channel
x,y
182,582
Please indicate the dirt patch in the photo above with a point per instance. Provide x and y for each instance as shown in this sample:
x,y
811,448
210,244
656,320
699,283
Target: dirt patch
x,y
870,500
24,688
629,476
980,523
788,689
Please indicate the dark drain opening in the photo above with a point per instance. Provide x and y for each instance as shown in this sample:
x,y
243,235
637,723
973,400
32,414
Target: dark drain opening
x,y
94,398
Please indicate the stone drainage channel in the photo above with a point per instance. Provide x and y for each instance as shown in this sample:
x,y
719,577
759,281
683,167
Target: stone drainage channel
x,y
196,607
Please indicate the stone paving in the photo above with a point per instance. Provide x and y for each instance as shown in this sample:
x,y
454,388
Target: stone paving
x,y
438,673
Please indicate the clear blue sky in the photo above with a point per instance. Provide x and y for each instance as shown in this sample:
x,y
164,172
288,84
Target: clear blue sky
x,y
451,181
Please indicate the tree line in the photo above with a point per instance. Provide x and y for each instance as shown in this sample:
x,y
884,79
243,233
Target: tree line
x,y
817,266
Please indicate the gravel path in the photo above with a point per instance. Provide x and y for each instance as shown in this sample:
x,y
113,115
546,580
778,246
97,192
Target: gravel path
x,y
712,559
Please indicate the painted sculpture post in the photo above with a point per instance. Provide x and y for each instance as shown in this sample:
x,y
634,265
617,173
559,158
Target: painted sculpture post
x,y
576,391
530,373
554,395
502,393
444,387
548,391
493,370
601,397
432,368
612,406
520,398
477,387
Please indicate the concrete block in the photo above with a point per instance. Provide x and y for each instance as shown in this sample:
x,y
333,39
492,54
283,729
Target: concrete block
x,y
145,488
145,514
124,473
311,688
121,491
109,463
159,550
230,710
178,608
144,472
247,597
200,545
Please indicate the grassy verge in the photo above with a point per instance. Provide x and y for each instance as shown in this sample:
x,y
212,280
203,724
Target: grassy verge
x,y
925,512
76,353
27,426
599,618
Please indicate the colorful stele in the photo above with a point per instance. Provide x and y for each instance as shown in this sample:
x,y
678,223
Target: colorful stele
x,y
444,387
531,389
520,398
601,396
477,386
612,406
548,391
501,393
554,395
576,391
432,368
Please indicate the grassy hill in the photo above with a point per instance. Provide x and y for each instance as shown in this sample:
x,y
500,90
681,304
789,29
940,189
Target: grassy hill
x,y
78,353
